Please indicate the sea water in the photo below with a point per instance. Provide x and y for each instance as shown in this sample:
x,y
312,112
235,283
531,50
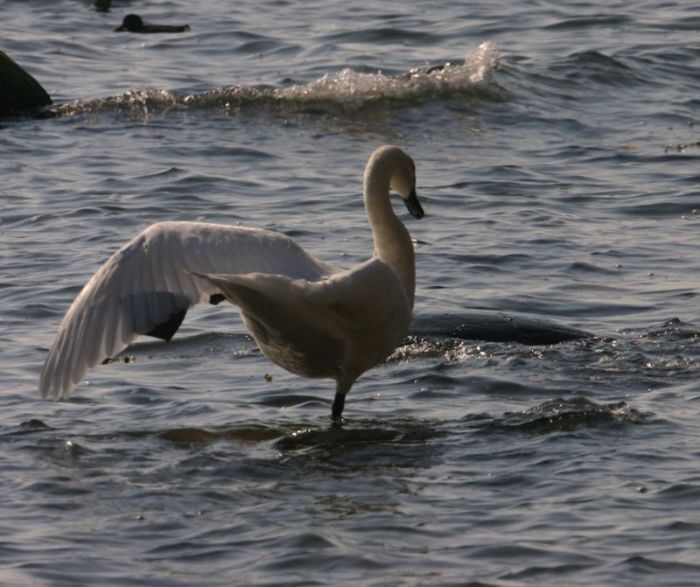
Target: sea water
x,y
558,161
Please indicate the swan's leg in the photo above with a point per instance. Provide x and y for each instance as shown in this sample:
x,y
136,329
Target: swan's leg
x,y
341,390
338,405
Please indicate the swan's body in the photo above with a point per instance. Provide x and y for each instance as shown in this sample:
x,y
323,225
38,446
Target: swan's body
x,y
307,316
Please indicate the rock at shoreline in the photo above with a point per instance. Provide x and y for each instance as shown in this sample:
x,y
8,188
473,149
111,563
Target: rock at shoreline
x,y
19,91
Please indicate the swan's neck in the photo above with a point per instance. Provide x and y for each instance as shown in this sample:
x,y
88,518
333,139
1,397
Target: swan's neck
x,y
392,242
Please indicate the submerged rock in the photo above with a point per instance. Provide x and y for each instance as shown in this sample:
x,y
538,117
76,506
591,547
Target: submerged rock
x,y
495,327
19,91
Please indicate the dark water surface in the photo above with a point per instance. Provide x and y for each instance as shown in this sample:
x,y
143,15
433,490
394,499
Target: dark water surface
x,y
559,165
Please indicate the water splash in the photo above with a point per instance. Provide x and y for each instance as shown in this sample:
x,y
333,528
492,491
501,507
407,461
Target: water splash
x,y
450,350
354,90
347,90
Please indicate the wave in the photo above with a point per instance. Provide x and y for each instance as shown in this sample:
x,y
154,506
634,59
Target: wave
x,y
566,415
347,90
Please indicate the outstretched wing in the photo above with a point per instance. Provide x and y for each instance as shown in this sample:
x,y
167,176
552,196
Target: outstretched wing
x,y
147,286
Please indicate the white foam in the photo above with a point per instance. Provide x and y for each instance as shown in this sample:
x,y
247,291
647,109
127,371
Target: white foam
x,y
347,89
353,89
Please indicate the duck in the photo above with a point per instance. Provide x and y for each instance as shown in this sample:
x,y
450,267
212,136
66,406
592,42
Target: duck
x,y
133,23
310,317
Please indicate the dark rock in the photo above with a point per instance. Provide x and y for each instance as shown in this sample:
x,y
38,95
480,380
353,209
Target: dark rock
x,y
19,91
493,326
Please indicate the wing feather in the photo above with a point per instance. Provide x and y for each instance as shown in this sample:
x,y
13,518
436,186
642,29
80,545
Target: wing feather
x,y
152,278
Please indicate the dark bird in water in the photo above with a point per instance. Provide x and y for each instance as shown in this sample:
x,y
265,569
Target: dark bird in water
x,y
133,23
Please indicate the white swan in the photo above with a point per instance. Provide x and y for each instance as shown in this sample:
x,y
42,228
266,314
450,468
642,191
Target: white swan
x,y
307,316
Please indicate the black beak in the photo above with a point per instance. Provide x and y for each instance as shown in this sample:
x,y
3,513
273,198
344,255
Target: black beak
x,y
413,205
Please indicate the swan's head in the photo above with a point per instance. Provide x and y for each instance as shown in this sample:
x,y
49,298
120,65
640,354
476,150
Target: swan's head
x,y
402,172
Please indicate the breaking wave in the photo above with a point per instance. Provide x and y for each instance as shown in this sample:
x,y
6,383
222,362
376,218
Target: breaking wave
x,y
347,90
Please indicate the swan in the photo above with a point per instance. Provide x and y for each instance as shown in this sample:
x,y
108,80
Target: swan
x,y
312,318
